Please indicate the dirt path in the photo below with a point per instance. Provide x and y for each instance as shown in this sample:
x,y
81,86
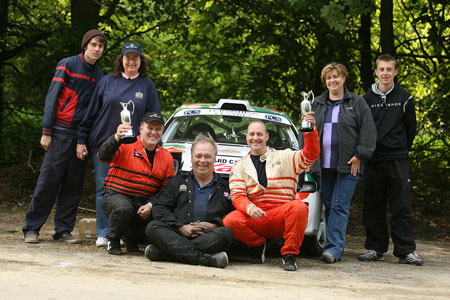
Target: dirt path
x,y
55,270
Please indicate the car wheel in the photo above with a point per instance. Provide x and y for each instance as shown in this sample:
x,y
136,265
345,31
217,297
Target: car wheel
x,y
313,245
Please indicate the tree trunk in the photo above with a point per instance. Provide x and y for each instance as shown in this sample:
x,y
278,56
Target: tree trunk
x,y
3,27
366,59
386,27
85,16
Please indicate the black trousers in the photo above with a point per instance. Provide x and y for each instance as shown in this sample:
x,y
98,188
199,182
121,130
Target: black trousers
x,y
124,222
383,182
60,181
179,248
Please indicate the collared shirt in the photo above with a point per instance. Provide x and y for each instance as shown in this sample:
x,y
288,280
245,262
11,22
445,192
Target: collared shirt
x,y
130,77
201,198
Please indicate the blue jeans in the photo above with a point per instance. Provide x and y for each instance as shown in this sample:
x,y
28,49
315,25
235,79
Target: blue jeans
x,y
101,170
337,192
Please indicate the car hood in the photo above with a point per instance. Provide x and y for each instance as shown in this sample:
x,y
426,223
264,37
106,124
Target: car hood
x,y
227,155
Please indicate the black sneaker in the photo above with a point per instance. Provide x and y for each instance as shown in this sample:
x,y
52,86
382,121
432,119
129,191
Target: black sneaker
x,y
289,262
411,259
67,237
371,255
218,260
258,254
114,247
153,253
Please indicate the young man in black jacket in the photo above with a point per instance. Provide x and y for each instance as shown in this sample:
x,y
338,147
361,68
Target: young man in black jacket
x,y
187,215
62,173
387,174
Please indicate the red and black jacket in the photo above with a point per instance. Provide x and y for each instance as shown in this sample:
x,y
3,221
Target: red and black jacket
x,y
69,93
131,172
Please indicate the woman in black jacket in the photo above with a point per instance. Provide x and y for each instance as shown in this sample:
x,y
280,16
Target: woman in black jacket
x,y
347,138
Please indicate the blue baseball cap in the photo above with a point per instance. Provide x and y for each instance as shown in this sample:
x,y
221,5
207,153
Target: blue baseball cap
x,y
131,47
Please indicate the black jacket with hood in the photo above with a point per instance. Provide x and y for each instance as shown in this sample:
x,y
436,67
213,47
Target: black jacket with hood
x,y
395,120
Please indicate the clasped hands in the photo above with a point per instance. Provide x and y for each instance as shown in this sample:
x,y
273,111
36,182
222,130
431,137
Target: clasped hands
x,y
195,229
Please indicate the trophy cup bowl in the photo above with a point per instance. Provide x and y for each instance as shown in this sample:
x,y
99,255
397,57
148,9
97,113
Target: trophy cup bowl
x,y
305,109
125,117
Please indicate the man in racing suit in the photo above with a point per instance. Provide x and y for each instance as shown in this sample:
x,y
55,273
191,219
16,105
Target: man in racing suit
x,y
263,187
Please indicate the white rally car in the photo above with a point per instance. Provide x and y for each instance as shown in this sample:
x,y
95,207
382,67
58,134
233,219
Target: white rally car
x,y
227,123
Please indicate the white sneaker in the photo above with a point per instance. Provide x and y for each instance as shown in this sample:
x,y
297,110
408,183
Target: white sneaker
x,y
101,241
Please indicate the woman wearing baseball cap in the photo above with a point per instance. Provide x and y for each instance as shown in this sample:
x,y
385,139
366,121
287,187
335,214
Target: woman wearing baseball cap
x,y
129,83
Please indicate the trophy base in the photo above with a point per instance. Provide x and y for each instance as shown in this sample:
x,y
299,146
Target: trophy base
x,y
128,139
306,127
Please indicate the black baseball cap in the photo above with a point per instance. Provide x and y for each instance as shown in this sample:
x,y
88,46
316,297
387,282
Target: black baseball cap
x,y
153,116
131,47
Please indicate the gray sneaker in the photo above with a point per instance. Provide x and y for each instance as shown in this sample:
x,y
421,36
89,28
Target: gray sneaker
x,y
31,237
328,257
411,259
68,238
371,255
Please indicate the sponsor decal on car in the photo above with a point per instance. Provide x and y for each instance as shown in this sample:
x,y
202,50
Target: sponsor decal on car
x,y
191,112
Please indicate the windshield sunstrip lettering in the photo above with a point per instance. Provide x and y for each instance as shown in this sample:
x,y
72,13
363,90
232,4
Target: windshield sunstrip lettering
x,y
236,113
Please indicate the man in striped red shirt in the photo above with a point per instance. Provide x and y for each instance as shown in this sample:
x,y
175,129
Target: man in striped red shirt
x,y
263,185
137,172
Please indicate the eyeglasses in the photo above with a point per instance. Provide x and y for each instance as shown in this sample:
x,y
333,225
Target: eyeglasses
x,y
383,97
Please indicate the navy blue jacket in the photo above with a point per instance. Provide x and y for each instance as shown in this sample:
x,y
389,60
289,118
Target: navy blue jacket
x,y
69,93
103,114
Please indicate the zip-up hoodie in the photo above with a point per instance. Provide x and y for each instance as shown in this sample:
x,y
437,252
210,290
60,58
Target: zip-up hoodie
x,y
395,119
356,129
69,93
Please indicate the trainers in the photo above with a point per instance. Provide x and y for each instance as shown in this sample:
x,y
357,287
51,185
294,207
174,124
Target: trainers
x,y
218,260
258,254
122,243
412,259
153,253
114,248
289,262
371,255
328,257
67,237
101,241
31,237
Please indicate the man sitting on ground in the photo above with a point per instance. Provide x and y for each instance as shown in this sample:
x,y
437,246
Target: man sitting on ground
x,y
138,171
263,185
187,225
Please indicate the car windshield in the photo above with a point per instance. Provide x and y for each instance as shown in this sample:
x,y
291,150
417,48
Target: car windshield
x,y
227,130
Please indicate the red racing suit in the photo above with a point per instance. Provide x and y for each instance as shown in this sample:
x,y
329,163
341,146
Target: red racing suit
x,y
285,217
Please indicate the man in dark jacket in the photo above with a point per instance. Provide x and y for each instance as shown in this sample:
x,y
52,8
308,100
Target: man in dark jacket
x,y
62,174
387,172
187,225
137,172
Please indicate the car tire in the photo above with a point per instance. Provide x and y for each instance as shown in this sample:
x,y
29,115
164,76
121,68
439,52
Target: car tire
x,y
313,245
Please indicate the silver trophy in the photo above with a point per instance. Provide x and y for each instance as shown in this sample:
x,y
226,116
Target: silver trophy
x,y
125,117
305,109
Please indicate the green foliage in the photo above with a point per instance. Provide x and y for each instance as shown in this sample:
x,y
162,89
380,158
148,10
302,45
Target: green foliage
x,y
263,51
